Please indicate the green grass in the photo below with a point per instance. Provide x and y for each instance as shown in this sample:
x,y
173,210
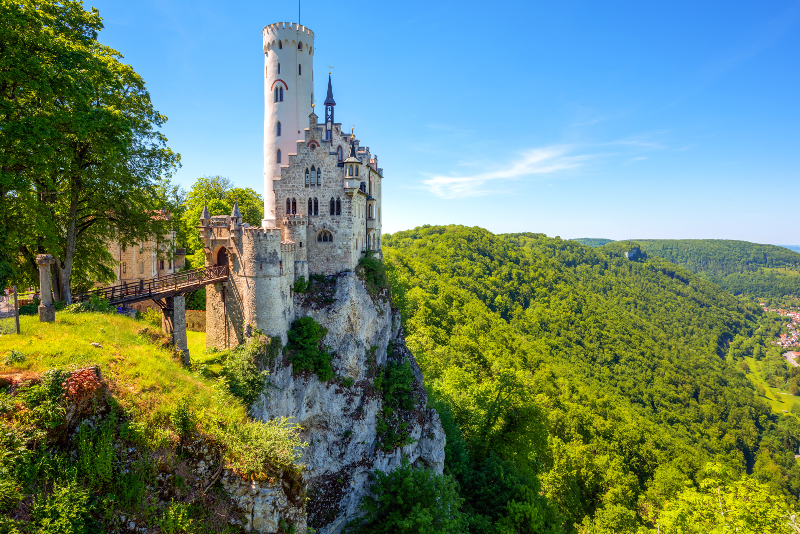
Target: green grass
x,y
776,400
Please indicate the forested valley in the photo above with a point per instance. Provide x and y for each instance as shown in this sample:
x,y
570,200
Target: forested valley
x,y
763,272
584,392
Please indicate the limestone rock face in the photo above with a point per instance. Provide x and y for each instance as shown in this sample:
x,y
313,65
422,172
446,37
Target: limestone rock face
x,y
339,416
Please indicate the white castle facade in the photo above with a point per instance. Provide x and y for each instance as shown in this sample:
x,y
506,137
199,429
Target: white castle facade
x,y
322,202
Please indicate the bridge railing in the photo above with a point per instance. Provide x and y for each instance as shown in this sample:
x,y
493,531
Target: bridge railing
x,y
155,286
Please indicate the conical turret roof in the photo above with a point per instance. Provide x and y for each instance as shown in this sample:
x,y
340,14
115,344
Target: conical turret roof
x,y
205,214
329,101
236,212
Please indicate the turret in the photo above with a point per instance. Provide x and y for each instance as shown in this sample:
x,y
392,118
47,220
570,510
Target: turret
x,y
329,104
352,165
288,93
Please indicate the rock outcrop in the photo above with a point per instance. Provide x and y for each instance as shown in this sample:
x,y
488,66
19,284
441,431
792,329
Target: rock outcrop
x,y
340,416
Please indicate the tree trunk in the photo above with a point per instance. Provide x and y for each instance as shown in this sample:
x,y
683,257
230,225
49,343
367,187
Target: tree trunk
x,y
64,265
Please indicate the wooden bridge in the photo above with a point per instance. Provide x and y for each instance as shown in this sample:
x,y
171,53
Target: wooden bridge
x,y
158,289
166,291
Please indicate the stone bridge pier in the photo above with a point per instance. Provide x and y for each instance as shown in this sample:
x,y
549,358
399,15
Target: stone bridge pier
x,y
173,322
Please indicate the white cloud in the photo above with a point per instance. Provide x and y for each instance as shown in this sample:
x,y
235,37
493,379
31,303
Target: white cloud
x,y
545,160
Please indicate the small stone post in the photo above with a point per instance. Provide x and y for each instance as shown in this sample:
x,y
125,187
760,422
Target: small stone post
x,y
47,312
173,323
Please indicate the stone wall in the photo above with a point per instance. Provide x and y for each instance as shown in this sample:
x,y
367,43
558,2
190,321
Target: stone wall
x,y
196,320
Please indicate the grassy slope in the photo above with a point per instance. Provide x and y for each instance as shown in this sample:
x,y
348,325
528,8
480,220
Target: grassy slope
x,y
143,376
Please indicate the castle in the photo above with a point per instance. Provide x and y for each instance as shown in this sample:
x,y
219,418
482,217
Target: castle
x,y
322,202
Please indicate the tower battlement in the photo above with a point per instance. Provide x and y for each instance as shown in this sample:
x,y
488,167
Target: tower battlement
x,y
277,27
295,220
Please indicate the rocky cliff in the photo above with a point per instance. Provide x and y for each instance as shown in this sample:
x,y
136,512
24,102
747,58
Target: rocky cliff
x,y
349,431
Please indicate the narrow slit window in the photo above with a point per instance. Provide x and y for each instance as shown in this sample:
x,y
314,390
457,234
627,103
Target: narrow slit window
x,y
316,207
313,174
356,170
339,151
279,128
299,69
279,68
288,206
310,207
279,155
294,206
281,89
333,207
319,177
276,94
338,207
307,178
280,45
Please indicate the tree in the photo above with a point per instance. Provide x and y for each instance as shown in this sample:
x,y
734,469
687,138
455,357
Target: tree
x,y
80,151
220,195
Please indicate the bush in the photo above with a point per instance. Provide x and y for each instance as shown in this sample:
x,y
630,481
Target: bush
x,y
409,500
13,357
65,511
183,418
176,519
96,453
94,304
152,316
372,271
301,285
260,446
305,337
241,371
198,300
397,385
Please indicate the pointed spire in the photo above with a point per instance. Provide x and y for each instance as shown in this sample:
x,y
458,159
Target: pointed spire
x,y
329,101
205,214
236,212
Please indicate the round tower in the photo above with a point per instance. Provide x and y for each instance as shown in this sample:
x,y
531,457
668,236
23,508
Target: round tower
x,y
288,91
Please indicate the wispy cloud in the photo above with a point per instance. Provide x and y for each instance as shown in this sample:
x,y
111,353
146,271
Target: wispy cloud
x,y
537,161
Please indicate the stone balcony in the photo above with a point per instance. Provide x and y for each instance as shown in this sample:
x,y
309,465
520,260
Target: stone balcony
x,y
372,223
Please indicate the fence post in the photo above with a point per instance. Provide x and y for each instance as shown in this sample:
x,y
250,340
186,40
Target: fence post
x,y
16,310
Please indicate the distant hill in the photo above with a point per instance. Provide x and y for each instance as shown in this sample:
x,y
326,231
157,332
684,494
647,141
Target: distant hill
x,y
741,267
593,241
796,248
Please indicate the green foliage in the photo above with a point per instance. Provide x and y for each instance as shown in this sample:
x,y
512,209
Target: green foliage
x,y
373,272
176,519
306,352
197,301
396,387
301,285
152,316
96,453
242,369
94,304
593,242
13,357
183,419
760,271
64,511
595,380
263,445
410,501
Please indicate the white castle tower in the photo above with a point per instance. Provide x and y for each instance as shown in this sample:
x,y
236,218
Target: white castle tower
x,y
288,92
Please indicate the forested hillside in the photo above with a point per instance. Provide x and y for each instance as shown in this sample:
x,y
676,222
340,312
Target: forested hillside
x,y
751,269
583,391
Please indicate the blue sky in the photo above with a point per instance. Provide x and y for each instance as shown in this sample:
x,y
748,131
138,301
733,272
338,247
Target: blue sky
x,y
579,119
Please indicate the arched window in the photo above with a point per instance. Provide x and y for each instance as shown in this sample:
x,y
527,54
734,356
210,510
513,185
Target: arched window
x,y
310,207
299,69
324,237
276,94
306,177
370,212
266,72
339,151
281,94
279,68
279,155
294,206
300,45
279,127
319,177
316,206
351,170
356,170
338,207
313,175
333,206
222,256
280,45
288,206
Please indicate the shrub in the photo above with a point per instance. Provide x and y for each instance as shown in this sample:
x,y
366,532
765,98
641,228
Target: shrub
x,y
372,271
65,511
197,301
260,446
46,399
410,500
94,304
183,418
152,316
301,285
305,337
241,371
396,384
96,452
13,357
793,389
176,519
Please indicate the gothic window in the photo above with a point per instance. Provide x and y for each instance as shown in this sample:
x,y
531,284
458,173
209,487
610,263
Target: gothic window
x,y
279,127
288,206
351,170
319,177
280,45
279,155
339,151
338,207
313,173
316,207
276,94
310,207
299,69
294,206
333,206
324,237
281,99
306,177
